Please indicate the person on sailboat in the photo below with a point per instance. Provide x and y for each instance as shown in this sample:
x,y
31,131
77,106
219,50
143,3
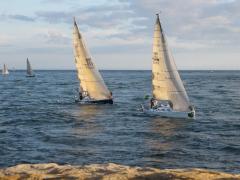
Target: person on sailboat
x,y
152,103
170,104
111,97
80,95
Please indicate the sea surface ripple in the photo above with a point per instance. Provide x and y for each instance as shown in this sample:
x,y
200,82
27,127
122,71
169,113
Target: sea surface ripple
x,y
40,123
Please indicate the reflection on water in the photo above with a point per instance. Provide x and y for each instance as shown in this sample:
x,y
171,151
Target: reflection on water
x,y
164,128
87,112
86,123
168,127
165,138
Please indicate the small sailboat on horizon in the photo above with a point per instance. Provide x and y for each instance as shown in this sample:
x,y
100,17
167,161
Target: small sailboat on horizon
x,y
169,97
29,70
93,89
5,70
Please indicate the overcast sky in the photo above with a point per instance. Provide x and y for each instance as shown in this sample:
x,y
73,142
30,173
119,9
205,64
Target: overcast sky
x,y
202,34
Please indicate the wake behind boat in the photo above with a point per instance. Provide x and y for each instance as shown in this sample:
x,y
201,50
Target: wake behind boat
x,y
5,71
169,97
29,70
93,89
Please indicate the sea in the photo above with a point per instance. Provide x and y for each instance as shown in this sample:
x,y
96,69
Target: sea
x,y
41,123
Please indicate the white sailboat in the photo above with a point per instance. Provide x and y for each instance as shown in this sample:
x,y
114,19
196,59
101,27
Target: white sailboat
x,y
29,69
92,87
169,97
5,70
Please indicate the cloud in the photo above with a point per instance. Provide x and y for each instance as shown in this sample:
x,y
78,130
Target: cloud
x,y
114,23
214,22
126,27
176,43
18,17
198,24
54,16
56,37
21,17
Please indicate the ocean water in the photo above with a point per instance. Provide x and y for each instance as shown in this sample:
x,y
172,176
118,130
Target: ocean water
x,y
40,123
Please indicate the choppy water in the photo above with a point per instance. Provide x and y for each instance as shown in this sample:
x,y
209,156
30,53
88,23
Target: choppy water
x,y
40,123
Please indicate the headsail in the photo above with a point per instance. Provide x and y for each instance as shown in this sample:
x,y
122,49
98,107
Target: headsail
x,y
5,70
89,76
166,82
29,68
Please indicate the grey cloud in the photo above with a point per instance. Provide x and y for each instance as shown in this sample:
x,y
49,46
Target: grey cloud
x,y
21,17
213,22
54,16
18,17
198,22
119,16
56,38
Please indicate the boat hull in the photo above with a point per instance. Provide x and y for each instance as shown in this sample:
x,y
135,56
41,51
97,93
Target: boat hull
x,y
169,114
30,75
104,101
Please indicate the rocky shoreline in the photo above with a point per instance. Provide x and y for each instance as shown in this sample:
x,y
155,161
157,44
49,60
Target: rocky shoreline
x,y
107,171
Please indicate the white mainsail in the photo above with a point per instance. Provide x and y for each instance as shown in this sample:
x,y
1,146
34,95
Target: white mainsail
x,y
166,82
5,70
89,76
29,69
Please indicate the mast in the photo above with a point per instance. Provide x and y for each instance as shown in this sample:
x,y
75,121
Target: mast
x,y
88,74
166,82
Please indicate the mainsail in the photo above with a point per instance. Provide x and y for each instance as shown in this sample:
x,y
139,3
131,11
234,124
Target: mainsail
x,y
89,76
166,82
29,68
5,70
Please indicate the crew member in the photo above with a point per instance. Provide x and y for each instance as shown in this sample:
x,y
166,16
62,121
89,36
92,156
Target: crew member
x,y
80,96
152,103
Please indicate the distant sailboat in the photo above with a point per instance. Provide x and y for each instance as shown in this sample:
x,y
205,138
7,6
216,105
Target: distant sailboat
x,y
92,87
29,69
169,97
5,70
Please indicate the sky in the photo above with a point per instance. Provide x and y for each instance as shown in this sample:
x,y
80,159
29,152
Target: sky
x,y
202,34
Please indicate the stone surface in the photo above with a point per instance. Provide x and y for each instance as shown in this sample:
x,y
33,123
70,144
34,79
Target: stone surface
x,y
107,171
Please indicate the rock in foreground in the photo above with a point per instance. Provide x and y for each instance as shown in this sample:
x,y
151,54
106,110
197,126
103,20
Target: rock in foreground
x,y
106,171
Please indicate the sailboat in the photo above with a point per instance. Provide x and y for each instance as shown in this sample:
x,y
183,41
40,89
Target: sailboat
x,y
93,89
169,97
29,70
5,70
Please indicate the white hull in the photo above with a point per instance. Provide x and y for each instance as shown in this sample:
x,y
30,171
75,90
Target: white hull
x,y
169,114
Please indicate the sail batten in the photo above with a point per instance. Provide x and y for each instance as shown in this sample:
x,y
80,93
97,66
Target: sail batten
x,y
88,74
166,82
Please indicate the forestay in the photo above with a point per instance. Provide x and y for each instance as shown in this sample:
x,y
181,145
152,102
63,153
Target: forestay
x,y
166,82
90,78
